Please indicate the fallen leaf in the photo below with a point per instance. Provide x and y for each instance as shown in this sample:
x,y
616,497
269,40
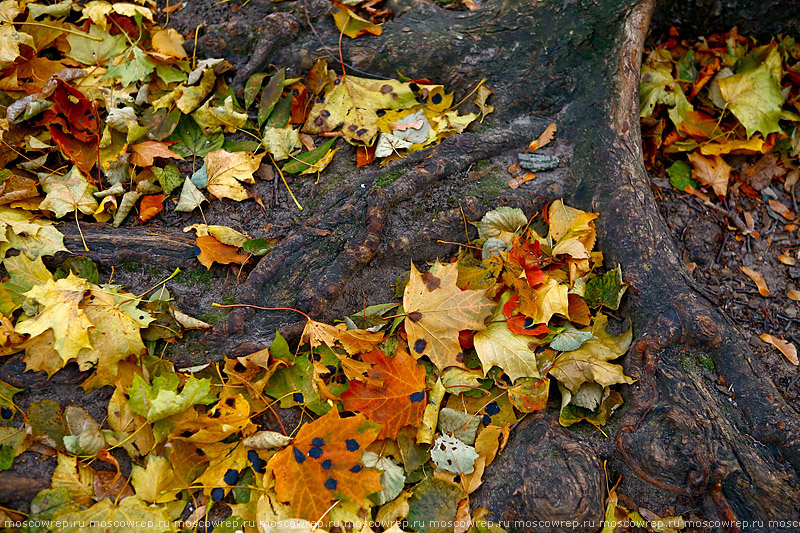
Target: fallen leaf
x,y
754,97
437,310
793,294
145,152
150,206
788,349
68,193
481,97
58,301
210,251
351,24
400,399
544,139
169,42
323,464
521,179
155,482
713,171
758,279
781,209
350,105
451,455
227,171
190,198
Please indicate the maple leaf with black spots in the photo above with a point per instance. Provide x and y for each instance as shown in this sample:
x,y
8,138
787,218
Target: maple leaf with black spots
x,y
399,402
323,464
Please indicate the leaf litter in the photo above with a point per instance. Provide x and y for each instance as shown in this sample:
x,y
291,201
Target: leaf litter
x,y
720,127
409,411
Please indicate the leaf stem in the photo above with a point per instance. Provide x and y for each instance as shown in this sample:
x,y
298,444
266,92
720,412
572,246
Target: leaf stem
x,y
65,30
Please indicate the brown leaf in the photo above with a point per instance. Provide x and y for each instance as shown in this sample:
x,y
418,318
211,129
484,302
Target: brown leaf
x,y
16,188
544,139
781,209
212,251
713,171
758,279
761,173
793,295
788,349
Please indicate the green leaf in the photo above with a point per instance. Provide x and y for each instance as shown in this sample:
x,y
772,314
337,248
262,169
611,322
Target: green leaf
x,y
83,267
47,504
433,505
570,339
459,424
24,275
162,399
270,95
281,142
258,247
169,177
252,87
241,146
136,69
7,393
754,97
306,159
281,113
680,175
657,86
687,67
92,51
293,386
393,478
192,140
605,290
170,74
592,402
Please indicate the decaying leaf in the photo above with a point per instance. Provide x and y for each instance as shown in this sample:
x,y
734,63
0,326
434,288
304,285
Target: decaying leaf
x,y
227,171
323,464
437,310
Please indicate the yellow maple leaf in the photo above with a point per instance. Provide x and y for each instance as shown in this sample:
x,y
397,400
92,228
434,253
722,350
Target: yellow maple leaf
x,y
60,313
169,42
437,310
156,481
573,230
226,170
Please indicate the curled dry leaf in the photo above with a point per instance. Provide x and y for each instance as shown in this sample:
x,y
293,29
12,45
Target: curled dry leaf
x,y
788,349
787,259
781,209
758,279
544,139
521,179
793,295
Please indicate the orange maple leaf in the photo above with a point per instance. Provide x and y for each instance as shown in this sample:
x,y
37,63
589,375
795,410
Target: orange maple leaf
x,y
323,464
399,402
145,152
212,251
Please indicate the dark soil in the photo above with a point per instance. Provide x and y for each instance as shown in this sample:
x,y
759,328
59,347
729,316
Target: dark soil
x,y
703,237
